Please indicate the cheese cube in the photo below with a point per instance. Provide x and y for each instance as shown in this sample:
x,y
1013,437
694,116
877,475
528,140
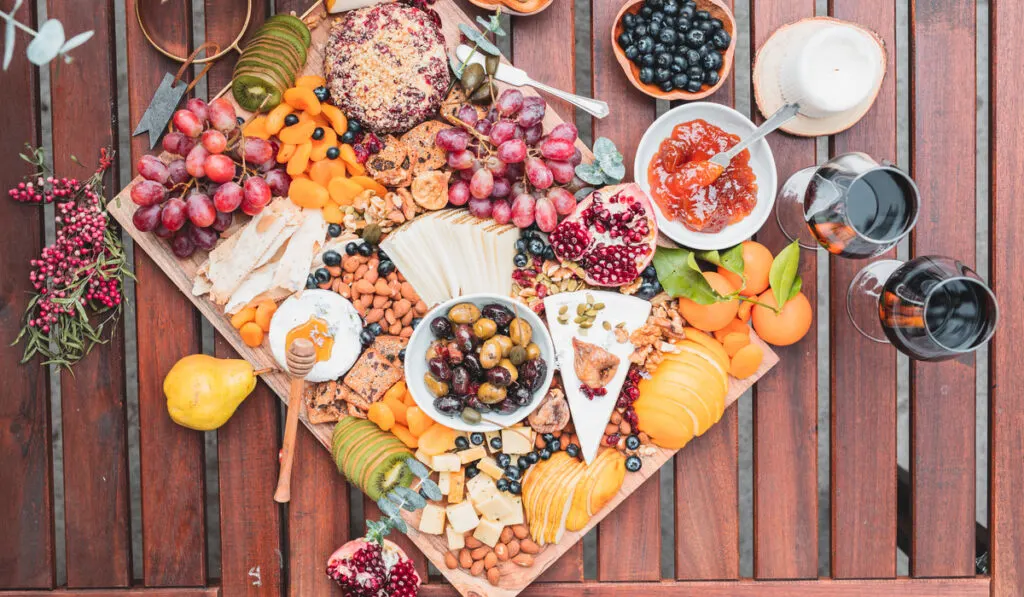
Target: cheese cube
x,y
472,454
456,486
447,463
488,532
516,440
432,522
488,436
481,488
444,481
456,540
490,468
462,517
425,458
501,510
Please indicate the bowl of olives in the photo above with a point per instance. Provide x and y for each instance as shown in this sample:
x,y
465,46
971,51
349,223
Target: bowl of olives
x,y
675,49
479,362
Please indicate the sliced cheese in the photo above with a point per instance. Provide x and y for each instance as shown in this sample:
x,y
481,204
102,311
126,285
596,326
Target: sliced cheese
x,y
490,468
472,454
432,522
456,540
462,517
456,486
444,482
447,463
425,458
517,440
502,510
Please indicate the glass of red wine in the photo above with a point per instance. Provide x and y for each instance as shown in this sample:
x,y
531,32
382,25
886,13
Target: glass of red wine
x,y
851,205
930,308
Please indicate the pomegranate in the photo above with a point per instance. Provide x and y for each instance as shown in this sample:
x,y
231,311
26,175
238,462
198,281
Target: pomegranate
x,y
611,234
364,568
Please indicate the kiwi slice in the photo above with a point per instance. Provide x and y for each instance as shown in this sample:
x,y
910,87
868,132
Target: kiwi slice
x,y
256,91
389,473
276,51
364,455
295,24
281,74
285,34
346,432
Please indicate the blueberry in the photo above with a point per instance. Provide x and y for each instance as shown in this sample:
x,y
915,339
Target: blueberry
x,y
646,12
366,338
669,21
687,12
716,24
472,471
311,282
385,267
693,57
659,48
365,249
502,484
712,61
705,26
633,464
523,463
351,248
695,73
680,80
645,44
401,357
663,75
532,457
332,258
549,253
321,93
318,133
503,460
694,85
520,260
348,137
647,60
416,321
353,126
721,39
671,8
629,20
654,28
476,438
711,77
322,275
495,443
632,442
667,36
656,4
239,120
649,273
554,445
647,291
334,230
544,454
625,39
691,4
695,38
513,473
704,50
382,255
663,60
375,328
515,488
683,24
333,152
703,15
291,119
640,31
536,246
572,450
646,75
520,245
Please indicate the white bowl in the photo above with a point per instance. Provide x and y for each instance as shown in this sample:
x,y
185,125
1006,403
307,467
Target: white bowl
x,y
761,161
416,364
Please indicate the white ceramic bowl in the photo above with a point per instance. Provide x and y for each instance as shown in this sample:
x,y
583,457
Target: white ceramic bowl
x,y
416,364
761,160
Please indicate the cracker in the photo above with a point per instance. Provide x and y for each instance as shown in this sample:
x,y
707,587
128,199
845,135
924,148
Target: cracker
x,y
425,154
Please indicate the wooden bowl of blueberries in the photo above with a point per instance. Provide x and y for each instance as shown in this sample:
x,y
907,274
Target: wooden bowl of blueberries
x,y
675,49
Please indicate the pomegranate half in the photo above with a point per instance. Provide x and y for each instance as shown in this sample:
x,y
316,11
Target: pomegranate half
x,y
611,234
365,568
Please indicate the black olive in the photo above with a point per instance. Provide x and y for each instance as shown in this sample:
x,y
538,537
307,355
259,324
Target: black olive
x,y
646,12
520,260
695,72
695,38
662,75
659,48
664,60
693,57
693,86
679,82
645,44
705,26
667,36
332,258
683,24
625,39
351,248
365,249
441,328
629,20
318,133
448,405
712,61
721,39
703,15
334,230
711,77
311,282
385,267
322,275
647,60
666,85
646,75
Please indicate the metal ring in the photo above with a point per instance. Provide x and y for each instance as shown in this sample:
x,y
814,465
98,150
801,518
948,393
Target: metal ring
x,y
232,46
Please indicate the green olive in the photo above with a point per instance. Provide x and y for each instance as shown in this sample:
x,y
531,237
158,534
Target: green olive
x,y
485,328
464,313
471,416
520,332
532,351
506,363
517,355
490,393
491,63
432,350
435,386
472,77
490,353
484,94
506,344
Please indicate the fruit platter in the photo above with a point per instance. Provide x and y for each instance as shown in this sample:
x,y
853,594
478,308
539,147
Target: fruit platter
x,y
500,346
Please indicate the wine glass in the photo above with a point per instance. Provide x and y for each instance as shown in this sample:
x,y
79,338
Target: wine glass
x,y
931,308
851,205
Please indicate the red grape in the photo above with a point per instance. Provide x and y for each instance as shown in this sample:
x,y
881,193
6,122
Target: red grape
x,y
522,210
563,200
196,160
228,197
172,142
481,184
566,131
148,192
452,139
468,114
480,208
512,151
146,219
200,210
214,141
501,189
547,217
151,167
497,167
199,108
539,174
519,187
172,216
188,123
483,127
502,131
181,246
177,172
162,232
219,168
203,238
223,221
532,112
533,135
509,102
212,188
258,151
515,171
460,160
556,149
458,193
577,158
279,182
501,211
222,115
268,165
562,171
256,195
186,145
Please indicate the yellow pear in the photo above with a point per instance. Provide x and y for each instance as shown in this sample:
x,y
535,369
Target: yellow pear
x,y
203,392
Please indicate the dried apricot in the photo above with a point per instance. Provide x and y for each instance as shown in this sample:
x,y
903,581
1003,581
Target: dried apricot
x,y
251,333
402,432
734,327
285,153
306,193
337,118
348,154
355,169
297,133
396,391
264,311
300,161
397,407
381,414
310,81
343,190
243,317
746,361
257,128
332,213
419,422
320,147
302,98
733,342
370,184
320,172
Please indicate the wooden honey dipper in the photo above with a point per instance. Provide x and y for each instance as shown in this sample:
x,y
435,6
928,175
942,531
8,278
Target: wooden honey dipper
x,y
300,360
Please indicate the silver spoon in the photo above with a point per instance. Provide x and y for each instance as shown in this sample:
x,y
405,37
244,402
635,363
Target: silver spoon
x,y
781,117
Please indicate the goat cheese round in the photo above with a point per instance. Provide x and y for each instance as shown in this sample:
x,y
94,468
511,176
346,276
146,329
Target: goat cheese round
x,y
342,323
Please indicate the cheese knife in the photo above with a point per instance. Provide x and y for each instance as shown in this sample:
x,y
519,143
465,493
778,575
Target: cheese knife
x,y
518,77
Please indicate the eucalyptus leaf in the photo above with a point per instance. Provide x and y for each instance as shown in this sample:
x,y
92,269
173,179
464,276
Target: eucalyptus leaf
x,y
412,501
388,507
398,524
9,35
430,490
590,173
615,171
482,43
47,43
784,272
582,193
416,468
76,41
605,146
456,65
680,279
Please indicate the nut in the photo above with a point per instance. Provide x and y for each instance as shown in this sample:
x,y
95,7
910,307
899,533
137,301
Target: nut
x,y
380,301
408,292
360,272
493,576
389,316
465,559
506,534
381,288
501,552
334,270
395,329
362,287
401,307
490,560
374,315
477,568
371,275
450,561
524,560
520,531
513,548
528,546
480,552
420,308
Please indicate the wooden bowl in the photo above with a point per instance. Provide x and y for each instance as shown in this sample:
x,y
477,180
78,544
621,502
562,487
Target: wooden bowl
x,y
494,4
718,10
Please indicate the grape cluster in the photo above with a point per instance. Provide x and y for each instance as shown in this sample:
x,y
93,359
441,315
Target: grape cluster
x,y
218,171
506,167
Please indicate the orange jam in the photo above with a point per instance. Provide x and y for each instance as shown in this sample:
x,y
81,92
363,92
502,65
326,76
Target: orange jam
x,y
683,182
316,331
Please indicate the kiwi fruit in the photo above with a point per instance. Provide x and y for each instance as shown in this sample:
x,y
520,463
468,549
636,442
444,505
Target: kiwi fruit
x,y
372,459
295,24
284,34
282,75
255,92
276,51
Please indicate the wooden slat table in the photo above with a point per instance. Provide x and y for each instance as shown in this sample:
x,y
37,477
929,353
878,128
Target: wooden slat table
x,y
266,549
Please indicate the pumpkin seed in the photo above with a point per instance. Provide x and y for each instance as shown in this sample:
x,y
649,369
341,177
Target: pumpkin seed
x,y
607,325
563,309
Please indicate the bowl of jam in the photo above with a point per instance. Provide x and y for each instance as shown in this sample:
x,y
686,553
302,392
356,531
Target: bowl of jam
x,y
698,205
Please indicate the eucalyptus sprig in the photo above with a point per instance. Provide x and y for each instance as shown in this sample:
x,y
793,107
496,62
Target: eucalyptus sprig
x,y
402,498
607,167
46,44
491,26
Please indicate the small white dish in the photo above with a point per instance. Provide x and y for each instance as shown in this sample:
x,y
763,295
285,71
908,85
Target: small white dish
x,y
416,364
761,161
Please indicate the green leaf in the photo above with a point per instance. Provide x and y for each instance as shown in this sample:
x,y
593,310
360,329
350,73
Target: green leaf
x,y
411,500
431,490
479,39
416,468
398,524
783,274
614,173
590,173
680,278
387,506
583,193
604,146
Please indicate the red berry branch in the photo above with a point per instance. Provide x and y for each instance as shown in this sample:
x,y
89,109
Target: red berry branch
x,y
77,280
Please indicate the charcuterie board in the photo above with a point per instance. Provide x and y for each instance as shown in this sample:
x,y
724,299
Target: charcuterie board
x,y
183,273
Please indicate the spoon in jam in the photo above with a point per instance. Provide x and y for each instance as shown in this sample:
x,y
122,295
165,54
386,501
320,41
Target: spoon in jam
x,y
706,173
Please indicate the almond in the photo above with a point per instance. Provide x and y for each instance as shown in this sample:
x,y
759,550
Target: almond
x,y
396,328
407,318
362,287
389,316
624,428
524,559
347,277
501,551
490,560
360,307
420,308
337,285
360,272
401,307
610,429
371,276
477,568
450,561
528,546
493,576
520,531
395,286
472,542
334,270
365,300
465,560
374,315
405,333
393,277
373,262
325,285
506,535
513,548
350,264
345,291
379,301
381,288
408,292
480,552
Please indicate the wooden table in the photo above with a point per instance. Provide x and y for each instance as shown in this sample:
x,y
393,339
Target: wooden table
x,y
269,550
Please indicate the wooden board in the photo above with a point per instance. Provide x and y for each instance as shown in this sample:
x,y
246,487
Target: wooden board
x,y
182,272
